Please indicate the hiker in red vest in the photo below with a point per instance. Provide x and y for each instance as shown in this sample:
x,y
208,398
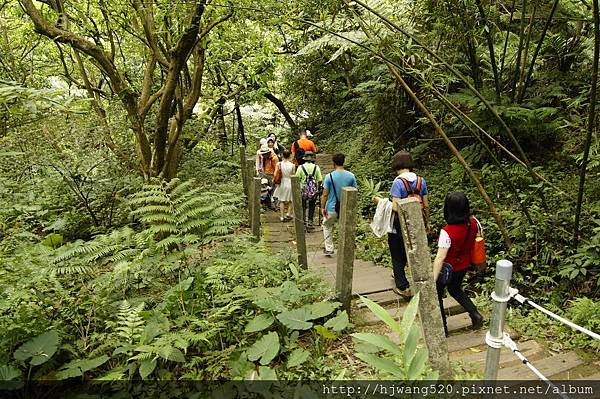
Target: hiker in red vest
x,y
407,184
453,258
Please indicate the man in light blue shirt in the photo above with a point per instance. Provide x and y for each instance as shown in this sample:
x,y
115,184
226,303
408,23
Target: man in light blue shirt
x,y
333,184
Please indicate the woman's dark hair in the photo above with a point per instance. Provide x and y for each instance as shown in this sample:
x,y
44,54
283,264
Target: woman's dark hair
x,y
286,154
402,160
339,159
456,208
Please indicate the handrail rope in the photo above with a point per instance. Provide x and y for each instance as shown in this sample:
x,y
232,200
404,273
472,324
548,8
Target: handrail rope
x,y
514,293
510,344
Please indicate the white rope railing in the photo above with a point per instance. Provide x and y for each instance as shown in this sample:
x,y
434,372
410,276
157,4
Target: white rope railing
x,y
510,344
496,338
514,293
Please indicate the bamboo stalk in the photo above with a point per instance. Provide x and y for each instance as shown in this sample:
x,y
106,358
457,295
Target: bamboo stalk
x,y
591,121
513,91
512,9
537,51
525,53
456,153
459,114
394,69
459,75
490,42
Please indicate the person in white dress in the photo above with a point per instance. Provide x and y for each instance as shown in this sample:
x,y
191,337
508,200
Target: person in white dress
x,y
284,190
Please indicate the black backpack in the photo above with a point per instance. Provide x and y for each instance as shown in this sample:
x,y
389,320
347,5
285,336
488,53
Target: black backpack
x,y
298,153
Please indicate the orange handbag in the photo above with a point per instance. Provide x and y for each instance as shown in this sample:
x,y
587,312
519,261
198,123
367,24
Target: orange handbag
x,y
277,176
478,256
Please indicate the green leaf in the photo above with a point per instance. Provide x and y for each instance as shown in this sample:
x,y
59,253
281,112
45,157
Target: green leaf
x,y
380,341
8,373
322,309
270,304
266,374
382,314
298,357
290,292
409,317
40,349
259,323
417,366
410,345
339,322
152,330
147,367
296,319
53,240
266,348
171,353
381,364
341,375
77,367
325,332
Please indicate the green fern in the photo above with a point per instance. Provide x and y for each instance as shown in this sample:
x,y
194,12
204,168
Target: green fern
x,y
129,323
175,215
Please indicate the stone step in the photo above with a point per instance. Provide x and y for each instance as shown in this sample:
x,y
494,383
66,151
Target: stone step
x,y
476,355
471,339
548,366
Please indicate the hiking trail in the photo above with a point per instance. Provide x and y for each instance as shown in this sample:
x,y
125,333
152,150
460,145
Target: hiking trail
x,y
465,346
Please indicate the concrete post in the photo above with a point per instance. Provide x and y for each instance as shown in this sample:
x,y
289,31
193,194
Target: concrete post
x,y
347,237
421,269
496,333
299,223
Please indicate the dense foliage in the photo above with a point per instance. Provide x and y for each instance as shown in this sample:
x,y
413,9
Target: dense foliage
x,y
121,240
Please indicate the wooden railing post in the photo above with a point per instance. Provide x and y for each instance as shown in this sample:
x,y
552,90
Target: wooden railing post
x,y
347,236
255,200
243,169
250,172
421,269
299,223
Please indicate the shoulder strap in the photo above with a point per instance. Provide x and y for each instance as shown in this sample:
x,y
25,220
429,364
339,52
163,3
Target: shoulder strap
x,y
304,170
419,183
314,170
467,234
295,145
409,189
334,192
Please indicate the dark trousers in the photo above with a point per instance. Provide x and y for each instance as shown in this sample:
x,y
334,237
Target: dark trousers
x,y
455,290
310,204
398,253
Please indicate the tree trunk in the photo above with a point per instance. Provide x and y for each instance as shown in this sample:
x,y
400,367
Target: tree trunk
x,y
240,122
281,107
591,121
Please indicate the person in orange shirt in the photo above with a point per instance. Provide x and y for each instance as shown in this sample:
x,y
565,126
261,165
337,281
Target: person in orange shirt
x,y
266,162
301,146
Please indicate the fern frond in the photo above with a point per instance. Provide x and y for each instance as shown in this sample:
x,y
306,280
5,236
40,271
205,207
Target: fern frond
x,y
158,217
152,209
